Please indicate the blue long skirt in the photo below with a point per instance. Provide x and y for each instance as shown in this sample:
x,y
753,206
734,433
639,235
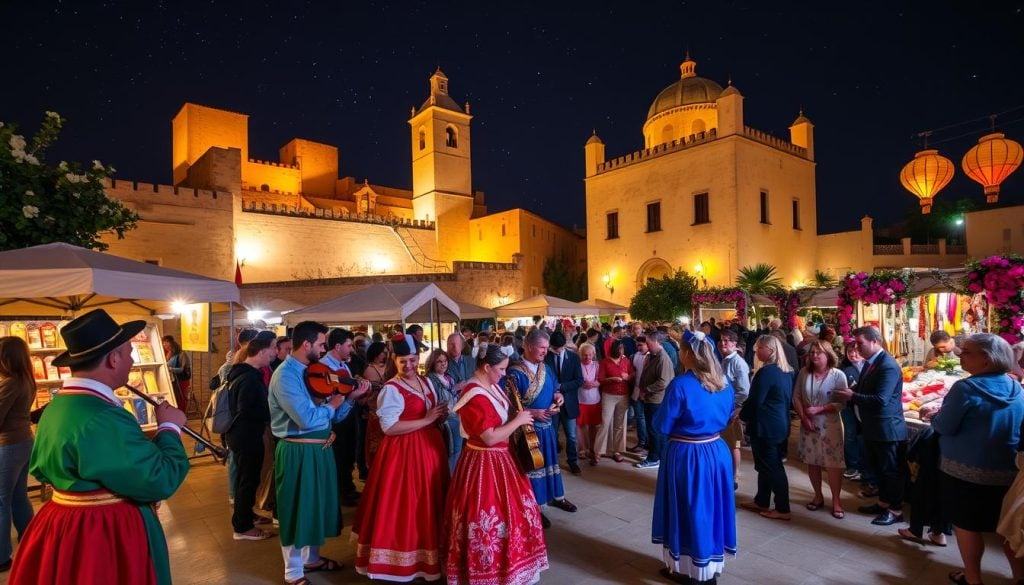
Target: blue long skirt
x,y
694,508
547,481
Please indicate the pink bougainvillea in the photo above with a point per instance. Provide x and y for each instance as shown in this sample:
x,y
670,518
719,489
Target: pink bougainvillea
x,y
788,303
1001,278
885,287
723,296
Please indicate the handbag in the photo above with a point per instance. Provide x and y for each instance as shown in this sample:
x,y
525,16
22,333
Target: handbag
x,y
523,443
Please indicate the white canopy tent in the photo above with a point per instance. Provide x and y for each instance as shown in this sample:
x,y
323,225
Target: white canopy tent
x,y
404,302
471,311
64,280
255,310
606,307
545,306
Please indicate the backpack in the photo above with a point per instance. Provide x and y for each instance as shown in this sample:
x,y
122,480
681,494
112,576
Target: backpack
x,y
218,413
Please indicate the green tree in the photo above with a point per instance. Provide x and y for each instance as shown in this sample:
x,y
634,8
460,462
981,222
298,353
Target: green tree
x,y
665,298
561,281
42,203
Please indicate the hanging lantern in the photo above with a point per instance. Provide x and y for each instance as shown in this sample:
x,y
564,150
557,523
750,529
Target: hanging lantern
x,y
926,175
991,160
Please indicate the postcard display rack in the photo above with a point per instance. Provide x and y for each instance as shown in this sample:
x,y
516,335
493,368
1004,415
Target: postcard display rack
x,y
149,372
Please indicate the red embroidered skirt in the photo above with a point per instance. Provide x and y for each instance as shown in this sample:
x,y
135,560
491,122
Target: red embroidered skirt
x,y
84,537
492,522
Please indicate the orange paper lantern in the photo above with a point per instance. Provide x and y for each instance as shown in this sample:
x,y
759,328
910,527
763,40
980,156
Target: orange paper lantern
x,y
926,175
991,160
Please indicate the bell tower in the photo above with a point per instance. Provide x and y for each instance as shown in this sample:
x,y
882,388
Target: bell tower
x,y
442,186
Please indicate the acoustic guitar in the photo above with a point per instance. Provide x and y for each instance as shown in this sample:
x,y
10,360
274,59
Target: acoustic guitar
x,y
524,444
323,382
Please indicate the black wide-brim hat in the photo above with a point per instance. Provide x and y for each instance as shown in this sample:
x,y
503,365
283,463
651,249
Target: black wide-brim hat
x,y
92,335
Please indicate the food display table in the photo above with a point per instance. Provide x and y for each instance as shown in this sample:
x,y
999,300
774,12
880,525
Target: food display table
x,y
923,392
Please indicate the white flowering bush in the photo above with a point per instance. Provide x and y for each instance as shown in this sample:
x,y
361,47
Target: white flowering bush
x,y
42,203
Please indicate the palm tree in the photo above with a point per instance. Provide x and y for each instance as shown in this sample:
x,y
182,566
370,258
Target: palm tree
x,y
759,279
823,279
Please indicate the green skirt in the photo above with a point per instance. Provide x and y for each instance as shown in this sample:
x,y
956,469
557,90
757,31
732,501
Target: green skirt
x,y
307,491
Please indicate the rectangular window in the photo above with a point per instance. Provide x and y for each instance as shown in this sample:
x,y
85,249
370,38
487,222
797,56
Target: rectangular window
x,y
701,209
796,214
503,230
613,225
764,207
534,230
654,216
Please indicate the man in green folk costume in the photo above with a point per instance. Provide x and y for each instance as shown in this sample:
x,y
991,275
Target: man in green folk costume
x,y
107,476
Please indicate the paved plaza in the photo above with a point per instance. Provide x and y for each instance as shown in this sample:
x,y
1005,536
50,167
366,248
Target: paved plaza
x,y
606,541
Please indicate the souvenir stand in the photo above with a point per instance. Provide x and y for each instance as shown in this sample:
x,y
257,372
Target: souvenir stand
x,y
402,303
521,313
44,287
908,306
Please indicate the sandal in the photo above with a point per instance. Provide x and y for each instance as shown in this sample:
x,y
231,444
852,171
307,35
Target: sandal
x,y
838,514
325,565
300,581
814,506
939,539
618,458
959,578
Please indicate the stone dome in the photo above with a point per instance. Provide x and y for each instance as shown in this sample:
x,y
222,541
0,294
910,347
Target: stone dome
x,y
690,89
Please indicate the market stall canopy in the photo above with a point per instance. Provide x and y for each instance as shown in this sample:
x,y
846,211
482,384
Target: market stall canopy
x,y
606,307
61,279
405,302
936,280
809,297
545,306
471,311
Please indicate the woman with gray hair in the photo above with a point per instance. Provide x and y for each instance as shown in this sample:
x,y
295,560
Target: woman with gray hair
x,y
979,430
694,506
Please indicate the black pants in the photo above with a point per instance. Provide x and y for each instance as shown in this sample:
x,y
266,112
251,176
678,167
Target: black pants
x,y
771,473
247,450
345,451
887,459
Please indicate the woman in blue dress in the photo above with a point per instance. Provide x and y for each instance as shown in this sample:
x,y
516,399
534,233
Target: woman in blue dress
x,y
694,509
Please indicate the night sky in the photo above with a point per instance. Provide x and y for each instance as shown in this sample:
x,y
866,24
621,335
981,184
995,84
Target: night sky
x,y
538,76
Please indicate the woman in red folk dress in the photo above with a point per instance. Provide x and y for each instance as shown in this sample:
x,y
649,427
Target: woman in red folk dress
x,y
398,522
492,520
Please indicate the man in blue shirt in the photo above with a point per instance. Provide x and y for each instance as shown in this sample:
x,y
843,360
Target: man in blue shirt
x,y
340,347
308,513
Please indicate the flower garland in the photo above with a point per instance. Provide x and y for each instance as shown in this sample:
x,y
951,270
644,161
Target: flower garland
x,y
788,303
885,287
721,296
1002,280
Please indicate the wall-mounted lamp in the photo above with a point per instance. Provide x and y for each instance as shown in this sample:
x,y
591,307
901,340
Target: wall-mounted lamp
x,y
503,298
698,269
607,279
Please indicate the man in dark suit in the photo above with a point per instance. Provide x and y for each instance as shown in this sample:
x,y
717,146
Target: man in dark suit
x,y
877,404
569,377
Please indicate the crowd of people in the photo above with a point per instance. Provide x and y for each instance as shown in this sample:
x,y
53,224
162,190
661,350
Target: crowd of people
x,y
444,498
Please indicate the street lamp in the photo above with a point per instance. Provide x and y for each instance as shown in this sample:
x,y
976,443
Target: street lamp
x,y
699,270
607,279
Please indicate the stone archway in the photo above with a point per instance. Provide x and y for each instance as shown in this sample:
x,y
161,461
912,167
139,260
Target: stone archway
x,y
652,269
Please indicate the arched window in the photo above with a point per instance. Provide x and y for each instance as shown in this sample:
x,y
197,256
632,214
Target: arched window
x,y
423,139
264,187
666,134
698,126
451,137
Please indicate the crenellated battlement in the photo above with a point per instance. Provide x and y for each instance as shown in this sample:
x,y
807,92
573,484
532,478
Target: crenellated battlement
x,y
466,265
271,163
123,187
656,151
252,206
695,140
774,142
